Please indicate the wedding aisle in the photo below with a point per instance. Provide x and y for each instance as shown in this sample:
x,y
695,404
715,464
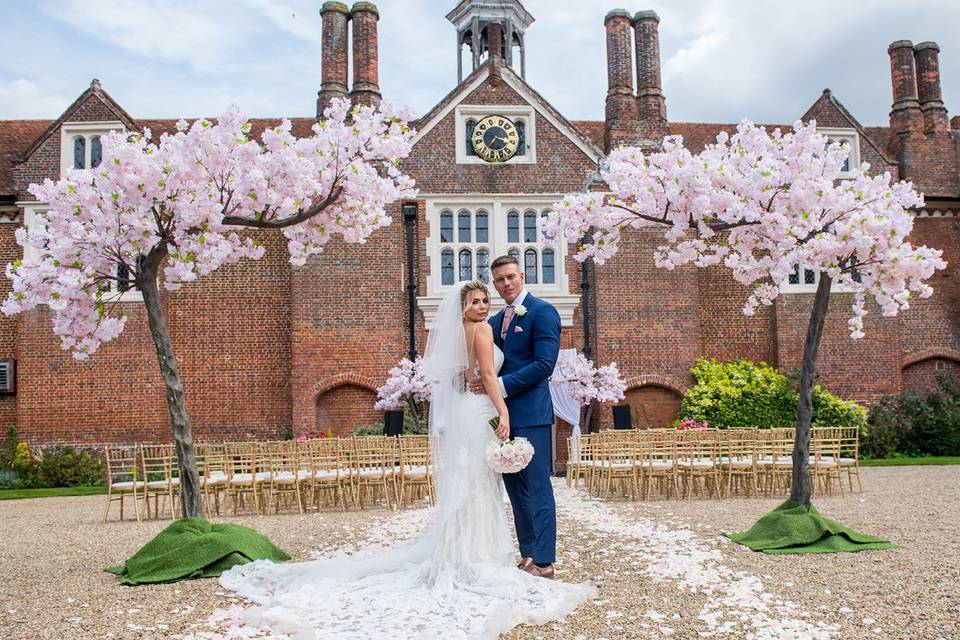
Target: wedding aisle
x,y
662,568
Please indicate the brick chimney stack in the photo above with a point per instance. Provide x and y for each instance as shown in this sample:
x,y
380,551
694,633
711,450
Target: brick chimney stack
x,y
906,118
650,101
333,72
621,108
366,76
927,57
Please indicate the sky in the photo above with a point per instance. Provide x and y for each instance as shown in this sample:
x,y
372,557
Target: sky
x,y
722,60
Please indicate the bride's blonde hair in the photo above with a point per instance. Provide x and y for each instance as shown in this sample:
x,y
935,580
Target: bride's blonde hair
x,y
468,288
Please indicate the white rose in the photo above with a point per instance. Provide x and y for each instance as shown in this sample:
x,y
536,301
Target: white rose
x,y
520,310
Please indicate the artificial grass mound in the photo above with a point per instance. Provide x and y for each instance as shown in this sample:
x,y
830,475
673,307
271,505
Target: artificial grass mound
x,y
790,528
194,548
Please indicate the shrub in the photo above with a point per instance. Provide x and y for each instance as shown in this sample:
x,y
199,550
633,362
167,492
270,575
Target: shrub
x,y
410,427
914,424
66,467
744,394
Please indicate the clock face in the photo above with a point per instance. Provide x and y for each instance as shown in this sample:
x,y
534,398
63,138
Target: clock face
x,y
495,138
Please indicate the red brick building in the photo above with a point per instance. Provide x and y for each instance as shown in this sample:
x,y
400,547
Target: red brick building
x,y
266,348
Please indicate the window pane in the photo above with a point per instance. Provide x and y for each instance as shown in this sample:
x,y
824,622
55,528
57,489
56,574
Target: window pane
x,y
79,152
522,132
446,227
514,252
855,272
463,226
471,123
809,276
530,226
530,266
548,271
446,267
96,152
794,278
466,264
513,227
483,265
483,233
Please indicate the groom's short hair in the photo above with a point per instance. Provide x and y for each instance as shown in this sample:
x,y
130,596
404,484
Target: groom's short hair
x,y
504,260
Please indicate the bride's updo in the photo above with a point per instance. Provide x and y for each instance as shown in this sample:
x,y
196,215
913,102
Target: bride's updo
x,y
468,288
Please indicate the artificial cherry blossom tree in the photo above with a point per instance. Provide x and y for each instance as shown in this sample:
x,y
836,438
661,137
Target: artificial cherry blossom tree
x,y
183,204
586,383
406,385
763,204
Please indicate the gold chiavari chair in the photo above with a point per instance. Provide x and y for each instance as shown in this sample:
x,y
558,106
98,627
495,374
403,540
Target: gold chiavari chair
x,y
739,461
850,455
577,463
619,463
373,469
161,477
284,475
698,459
243,474
660,463
211,464
775,462
824,462
123,477
328,475
416,473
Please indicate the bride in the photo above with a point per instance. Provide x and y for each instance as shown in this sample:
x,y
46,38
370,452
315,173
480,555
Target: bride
x,y
457,580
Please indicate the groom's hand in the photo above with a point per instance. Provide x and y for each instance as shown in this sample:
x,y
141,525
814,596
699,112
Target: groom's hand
x,y
477,387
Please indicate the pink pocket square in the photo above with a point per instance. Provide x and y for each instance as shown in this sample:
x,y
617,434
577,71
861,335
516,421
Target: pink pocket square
x,y
518,329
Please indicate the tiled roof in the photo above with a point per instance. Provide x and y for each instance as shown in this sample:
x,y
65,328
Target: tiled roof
x,y
16,136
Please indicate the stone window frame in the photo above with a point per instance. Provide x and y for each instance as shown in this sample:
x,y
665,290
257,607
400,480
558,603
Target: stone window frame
x,y
852,136
497,207
32,212
465,112
87,130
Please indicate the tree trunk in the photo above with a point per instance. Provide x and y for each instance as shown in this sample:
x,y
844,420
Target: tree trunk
x,y
588,419
190,490
413,410
800,485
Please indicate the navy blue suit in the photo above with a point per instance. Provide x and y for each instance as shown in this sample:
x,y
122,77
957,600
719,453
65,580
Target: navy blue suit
x,y
530,354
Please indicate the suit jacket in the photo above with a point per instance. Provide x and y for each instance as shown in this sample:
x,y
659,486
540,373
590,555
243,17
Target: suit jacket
x,y
530,354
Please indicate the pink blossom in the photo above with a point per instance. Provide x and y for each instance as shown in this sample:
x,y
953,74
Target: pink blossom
x,y
584,382
406,382
760,203
187,190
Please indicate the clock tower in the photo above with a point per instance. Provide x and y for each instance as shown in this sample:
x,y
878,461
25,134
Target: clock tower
x,y
490,28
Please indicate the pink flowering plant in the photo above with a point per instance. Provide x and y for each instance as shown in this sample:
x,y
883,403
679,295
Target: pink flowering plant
x,y
318,434
405,386
763,204
689,424
585,382
184,205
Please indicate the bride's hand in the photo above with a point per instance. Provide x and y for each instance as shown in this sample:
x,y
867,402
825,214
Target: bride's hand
x,y
503,429
477,387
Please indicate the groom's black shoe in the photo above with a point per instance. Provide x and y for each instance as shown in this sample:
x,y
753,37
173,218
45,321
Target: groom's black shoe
x,y
525,564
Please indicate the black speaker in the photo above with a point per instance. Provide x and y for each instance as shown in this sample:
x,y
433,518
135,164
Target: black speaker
x,y
621,417
393,423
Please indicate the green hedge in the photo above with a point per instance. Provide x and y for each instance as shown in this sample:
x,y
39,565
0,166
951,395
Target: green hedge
x,y
23,468
914,424
745,394
409,426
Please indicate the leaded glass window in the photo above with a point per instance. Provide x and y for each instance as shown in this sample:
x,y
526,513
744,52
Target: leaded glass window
x,y
466,264
79,152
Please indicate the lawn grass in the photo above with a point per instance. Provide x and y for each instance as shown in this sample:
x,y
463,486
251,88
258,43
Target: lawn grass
x,y
905,461
19,494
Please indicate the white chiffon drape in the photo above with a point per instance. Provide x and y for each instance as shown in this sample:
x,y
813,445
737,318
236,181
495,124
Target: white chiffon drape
x,y
457,580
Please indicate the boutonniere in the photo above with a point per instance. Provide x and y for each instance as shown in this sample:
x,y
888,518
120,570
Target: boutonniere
x,y
518,329
520,310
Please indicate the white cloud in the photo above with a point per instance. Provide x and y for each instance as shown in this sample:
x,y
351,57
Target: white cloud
x,y
24,99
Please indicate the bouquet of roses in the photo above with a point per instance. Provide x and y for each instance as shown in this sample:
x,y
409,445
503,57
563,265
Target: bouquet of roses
x,y
508,456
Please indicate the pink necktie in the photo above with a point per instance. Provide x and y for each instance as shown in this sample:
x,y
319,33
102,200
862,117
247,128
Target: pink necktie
x,y
507,315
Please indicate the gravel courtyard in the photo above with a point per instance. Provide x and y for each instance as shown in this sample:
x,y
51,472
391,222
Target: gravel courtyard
x,y
662,568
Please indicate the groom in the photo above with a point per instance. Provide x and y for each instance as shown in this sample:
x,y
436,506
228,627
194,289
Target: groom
x,y
528,333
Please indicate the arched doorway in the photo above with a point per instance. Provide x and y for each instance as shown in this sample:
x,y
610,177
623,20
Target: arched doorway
x,y
345,407
921,376
653,406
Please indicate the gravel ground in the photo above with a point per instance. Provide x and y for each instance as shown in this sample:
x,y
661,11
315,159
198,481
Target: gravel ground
x,y
662,568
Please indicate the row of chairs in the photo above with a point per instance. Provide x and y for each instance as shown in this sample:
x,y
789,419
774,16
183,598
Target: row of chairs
x,y
337,473
709,462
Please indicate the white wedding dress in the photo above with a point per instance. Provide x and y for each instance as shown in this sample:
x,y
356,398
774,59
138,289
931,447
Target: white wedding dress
x,y
457,580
